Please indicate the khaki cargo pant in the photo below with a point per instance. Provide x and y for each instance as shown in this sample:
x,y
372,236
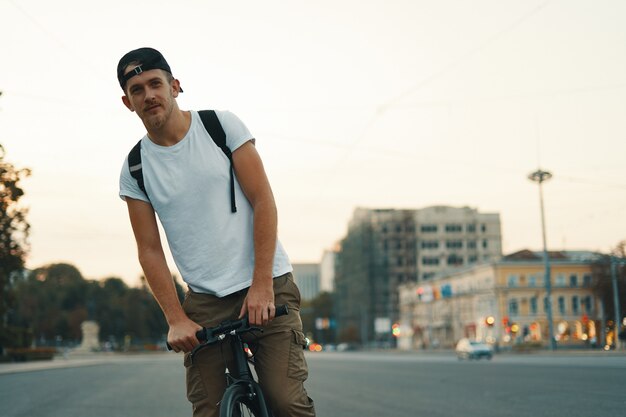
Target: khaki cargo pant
x,y
279,358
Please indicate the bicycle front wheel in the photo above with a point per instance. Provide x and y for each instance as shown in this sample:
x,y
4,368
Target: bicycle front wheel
x,y
243,401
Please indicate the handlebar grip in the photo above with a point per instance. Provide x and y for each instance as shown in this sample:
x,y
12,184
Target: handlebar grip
x,y
200,334
281,310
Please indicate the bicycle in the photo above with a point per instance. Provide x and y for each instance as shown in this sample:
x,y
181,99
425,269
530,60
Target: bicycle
x,y
243,395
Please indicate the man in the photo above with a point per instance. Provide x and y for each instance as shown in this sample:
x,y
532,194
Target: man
x,y
231,261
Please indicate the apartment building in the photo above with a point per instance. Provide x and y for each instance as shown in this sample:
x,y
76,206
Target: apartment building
x,y
450,237
386,248
504,303
307,277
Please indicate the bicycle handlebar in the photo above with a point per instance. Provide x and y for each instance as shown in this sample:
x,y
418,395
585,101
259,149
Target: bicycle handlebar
x,y
209,335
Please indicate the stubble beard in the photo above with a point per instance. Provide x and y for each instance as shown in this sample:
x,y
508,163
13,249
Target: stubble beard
x,y
157,121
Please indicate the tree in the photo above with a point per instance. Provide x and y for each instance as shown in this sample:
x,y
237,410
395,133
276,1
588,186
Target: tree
x,y
602,282
318,318
54,300
13,238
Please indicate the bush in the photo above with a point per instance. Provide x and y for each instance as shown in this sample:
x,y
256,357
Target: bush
x,y
31,354
15,337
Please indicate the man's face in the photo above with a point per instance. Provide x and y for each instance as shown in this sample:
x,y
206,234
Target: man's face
x,y
151,96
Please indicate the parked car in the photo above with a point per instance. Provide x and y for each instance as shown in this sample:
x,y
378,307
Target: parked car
x,y
471,349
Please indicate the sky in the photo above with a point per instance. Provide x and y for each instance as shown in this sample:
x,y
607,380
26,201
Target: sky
x,y
368,103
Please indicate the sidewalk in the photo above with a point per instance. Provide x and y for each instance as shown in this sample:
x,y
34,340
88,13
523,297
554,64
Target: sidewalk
x,y
71,361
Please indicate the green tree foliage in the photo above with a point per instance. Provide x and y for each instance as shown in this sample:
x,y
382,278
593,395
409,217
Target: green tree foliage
x,y
54,300
13,239
602,281
319,311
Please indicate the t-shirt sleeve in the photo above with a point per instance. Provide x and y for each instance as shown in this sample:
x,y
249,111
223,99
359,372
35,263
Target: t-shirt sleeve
x,y
129,186
236,131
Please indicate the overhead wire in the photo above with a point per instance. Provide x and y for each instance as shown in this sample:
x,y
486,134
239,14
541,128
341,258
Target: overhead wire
x,y
383,108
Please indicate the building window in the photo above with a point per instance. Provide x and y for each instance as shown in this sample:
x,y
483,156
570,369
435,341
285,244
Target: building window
x,y
472,259
428,228
575,304
483,228
430,244
455,260
587,304
471,244
454,228
471,228
430,261
573,280
562,305
454,244
560,280
533,305
587,280
532,281
428,275
400,261
485,244
513,307
512,281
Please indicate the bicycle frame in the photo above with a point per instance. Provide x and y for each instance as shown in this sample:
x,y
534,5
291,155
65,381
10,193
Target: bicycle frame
x,y
241,378
241,385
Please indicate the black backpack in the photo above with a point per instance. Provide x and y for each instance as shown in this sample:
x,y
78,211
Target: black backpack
x,y
214,128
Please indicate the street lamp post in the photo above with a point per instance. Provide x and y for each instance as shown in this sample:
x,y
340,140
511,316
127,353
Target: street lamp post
x,y
539,177
618,316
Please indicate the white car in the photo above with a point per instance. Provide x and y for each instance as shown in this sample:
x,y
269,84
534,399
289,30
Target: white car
x,y
471,349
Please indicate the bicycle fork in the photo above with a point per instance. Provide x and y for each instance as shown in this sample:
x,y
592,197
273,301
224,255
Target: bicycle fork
x,y
242,375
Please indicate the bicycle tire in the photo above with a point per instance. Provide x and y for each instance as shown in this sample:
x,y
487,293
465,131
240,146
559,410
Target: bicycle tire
x,y
237,402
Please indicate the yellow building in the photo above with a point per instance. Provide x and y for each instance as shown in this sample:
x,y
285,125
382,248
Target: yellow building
x,y
504,303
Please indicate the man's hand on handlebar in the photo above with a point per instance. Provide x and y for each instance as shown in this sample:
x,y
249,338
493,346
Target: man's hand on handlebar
x,y
182,336
259,304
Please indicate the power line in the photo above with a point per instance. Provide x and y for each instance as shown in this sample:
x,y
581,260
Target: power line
x,y
516,97
52,36
492,39
592,182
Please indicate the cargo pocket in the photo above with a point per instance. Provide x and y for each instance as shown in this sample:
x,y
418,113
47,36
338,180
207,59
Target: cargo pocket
x,y
297,364
196,390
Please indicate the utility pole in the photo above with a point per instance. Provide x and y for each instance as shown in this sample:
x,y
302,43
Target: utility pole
x,y
539,177
617,316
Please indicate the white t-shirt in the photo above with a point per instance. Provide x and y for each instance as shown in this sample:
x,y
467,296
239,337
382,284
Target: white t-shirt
x,y
189,188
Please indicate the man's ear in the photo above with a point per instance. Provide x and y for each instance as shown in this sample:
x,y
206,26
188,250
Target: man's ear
x,y
126,102
175,87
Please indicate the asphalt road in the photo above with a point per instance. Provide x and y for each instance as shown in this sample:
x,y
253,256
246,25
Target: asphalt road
x,y
355,384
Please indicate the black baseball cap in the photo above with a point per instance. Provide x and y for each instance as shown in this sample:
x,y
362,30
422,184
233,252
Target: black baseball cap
x,y
146,59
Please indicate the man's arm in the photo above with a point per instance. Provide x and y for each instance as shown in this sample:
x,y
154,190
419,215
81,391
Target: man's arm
x,y
181,335
259,303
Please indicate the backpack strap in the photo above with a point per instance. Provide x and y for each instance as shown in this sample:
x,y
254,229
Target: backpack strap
x,y
134,165
216,131
214,128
